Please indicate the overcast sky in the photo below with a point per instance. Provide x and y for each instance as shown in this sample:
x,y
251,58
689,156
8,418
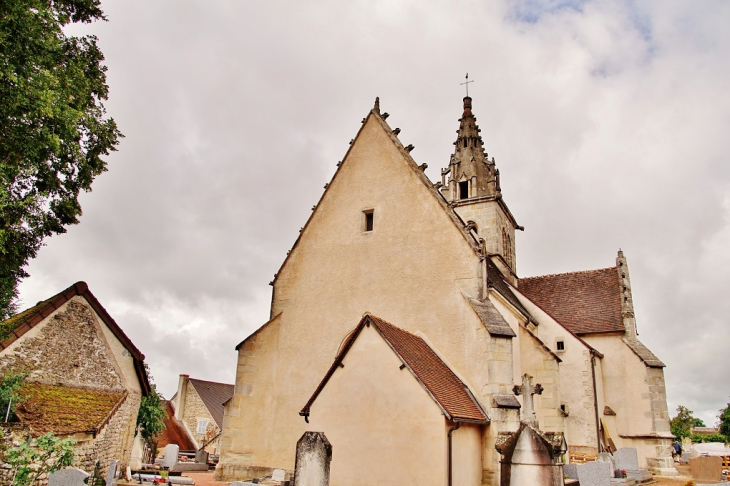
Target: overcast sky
x,y
609,122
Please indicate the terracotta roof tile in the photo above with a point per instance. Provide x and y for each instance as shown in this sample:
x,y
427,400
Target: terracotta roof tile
x,y
214,395
451,394
174,431
584,302
66,410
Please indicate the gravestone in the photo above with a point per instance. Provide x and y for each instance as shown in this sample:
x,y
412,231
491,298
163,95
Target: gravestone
x,y
68,477
608,459
595,474
112,474
312,465
278,475
571,471
171,452
627,459
706,468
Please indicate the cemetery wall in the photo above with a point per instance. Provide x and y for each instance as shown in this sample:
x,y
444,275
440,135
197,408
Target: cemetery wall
x,y
335,273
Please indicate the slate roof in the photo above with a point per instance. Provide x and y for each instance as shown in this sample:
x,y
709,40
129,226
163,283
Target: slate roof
x,y
214,395
644,354
448,391
491,318
174,432
17,325
586,302
496,281
66,410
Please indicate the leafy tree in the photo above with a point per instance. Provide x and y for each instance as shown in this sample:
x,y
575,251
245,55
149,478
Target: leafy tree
x,y
698,423
53,130
151,414
681,425
49,453
724,424
10,385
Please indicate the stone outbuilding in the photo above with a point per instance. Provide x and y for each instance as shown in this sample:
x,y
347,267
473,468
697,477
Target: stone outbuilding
x,y
85,376
198,407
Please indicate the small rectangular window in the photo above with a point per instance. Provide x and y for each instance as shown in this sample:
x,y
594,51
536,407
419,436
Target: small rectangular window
x,y
464,190
202,426
369,220
560,346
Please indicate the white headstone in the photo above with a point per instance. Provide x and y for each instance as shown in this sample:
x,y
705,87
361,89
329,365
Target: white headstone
x,y
111,475
626,458
171,452
68,477
312,466
595,474
278,475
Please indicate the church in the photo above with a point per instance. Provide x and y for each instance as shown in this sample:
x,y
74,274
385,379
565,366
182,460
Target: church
x,y
399,327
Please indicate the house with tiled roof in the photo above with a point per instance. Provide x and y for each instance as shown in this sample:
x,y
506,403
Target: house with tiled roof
x,y
422,393
198,408
85,377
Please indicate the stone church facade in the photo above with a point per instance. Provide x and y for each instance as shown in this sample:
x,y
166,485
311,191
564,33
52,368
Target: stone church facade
x,y
436,262
85,377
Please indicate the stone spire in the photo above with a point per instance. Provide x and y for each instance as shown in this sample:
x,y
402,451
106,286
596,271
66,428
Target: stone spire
x,y
470,172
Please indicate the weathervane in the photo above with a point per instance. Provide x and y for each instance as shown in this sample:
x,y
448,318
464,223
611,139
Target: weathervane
x,y
467,84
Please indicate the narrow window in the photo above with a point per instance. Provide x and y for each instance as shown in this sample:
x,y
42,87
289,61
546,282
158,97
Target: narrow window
x,y
202,425
464,190
560,346
466,142
369,219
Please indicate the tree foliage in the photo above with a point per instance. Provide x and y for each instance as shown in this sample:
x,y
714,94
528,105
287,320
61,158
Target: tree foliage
x,y
53,130
10,384
151,415
682,424
46,454
724,424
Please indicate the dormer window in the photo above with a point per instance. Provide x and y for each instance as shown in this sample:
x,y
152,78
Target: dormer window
x,y
369,219
464,190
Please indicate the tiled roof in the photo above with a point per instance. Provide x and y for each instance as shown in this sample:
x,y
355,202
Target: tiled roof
x,y
491,318
584,302
213,395
174,432
24,321
66,410
449,392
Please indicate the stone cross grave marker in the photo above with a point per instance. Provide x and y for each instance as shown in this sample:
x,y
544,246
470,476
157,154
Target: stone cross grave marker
x,y
595,474
528,407
312,466
67,477
171,452
112,472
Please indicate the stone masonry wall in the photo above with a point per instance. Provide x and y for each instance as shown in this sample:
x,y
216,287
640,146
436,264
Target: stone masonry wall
x,y
195,409
66,351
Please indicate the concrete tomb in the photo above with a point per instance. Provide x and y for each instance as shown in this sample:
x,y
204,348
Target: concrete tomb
x,y
706,468
595,474
112,474
314,455
67,477
171,452
627,459
570,471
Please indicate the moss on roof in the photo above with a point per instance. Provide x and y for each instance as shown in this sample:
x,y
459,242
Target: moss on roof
x,y
65,410
8,325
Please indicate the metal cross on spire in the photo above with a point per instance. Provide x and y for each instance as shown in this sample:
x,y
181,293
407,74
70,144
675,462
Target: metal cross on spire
x,y
467,84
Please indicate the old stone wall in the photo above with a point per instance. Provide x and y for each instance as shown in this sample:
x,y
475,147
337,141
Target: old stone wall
x,y
66,349
195,410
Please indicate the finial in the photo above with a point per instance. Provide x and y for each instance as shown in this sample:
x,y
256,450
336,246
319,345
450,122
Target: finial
x,y
466,83
376,108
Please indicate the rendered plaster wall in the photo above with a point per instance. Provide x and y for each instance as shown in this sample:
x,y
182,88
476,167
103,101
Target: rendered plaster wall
x,y
539,363
466,454
637,394
576,383
383,426
195,410
410,270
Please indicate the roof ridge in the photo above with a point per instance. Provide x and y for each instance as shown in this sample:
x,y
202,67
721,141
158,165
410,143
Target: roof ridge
x,y
214,382
566,273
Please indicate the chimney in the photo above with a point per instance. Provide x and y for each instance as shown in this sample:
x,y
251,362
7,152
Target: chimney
x,y
182,389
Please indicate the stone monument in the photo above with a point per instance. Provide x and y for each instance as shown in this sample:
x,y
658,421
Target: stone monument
x,y
67,477
530,456
312,466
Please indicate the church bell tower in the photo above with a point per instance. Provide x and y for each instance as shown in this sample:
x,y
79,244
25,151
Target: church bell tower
x,y
471,185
